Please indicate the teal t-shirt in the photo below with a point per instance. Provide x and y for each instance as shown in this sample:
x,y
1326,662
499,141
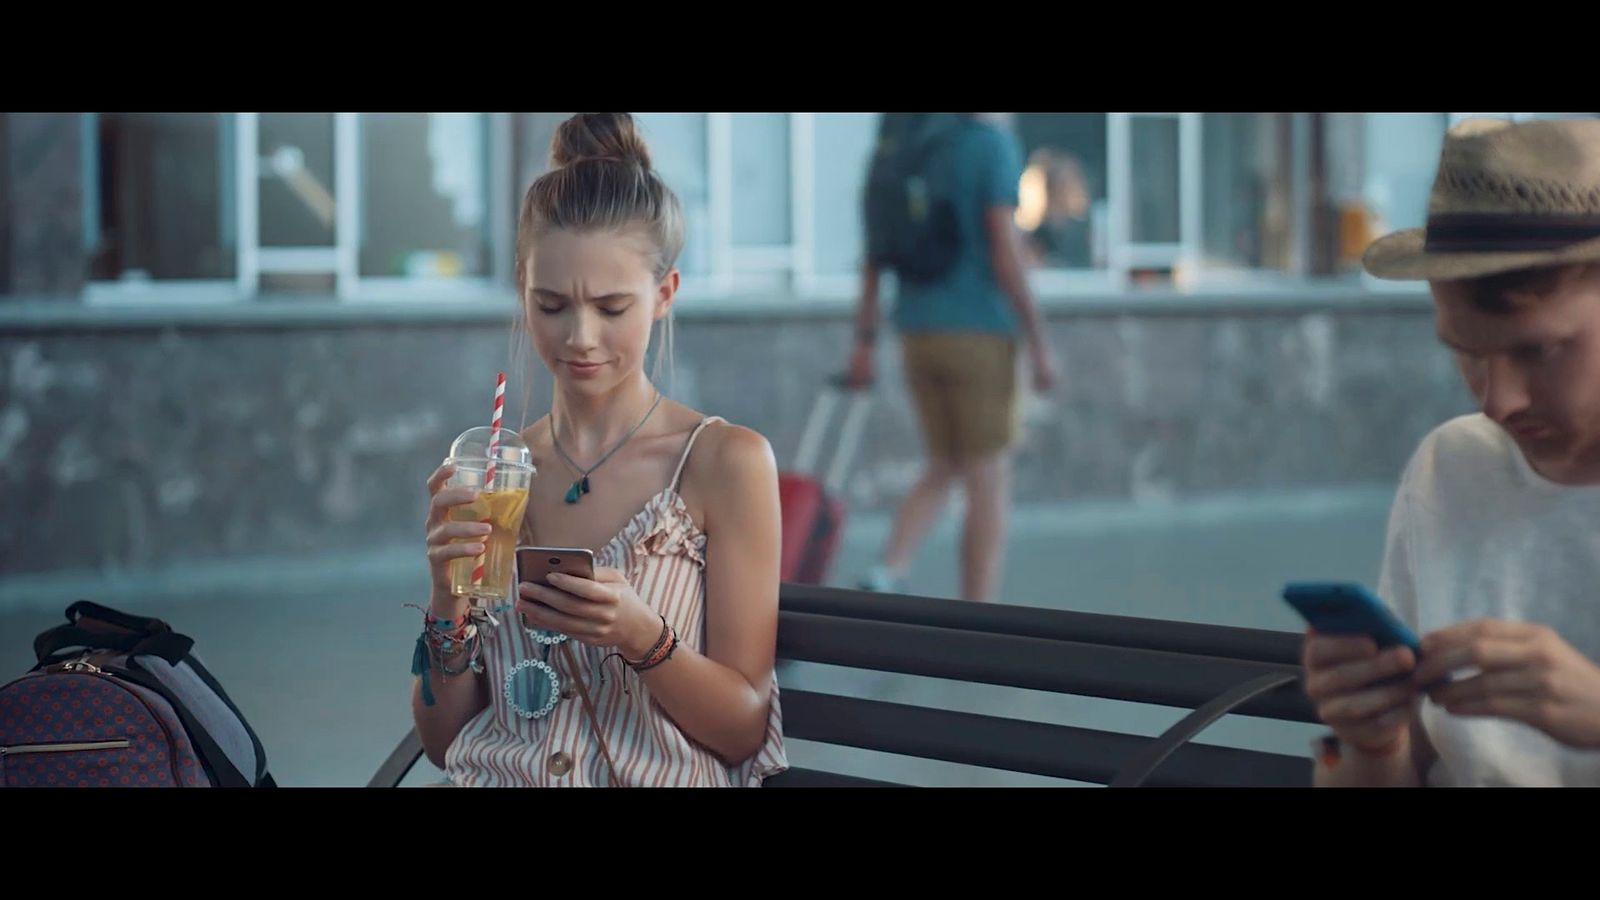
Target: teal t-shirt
x,y
976,167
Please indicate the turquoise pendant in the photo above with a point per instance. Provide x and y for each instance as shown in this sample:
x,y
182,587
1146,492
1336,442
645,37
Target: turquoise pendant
x,y
578,489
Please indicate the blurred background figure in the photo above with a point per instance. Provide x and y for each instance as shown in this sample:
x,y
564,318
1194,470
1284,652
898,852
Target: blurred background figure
x,y
940,201
1053,210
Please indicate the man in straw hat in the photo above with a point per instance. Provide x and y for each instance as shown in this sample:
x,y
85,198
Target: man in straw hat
x,y
1493,548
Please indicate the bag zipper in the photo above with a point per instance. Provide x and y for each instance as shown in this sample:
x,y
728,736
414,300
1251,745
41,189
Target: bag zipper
x,y
81,746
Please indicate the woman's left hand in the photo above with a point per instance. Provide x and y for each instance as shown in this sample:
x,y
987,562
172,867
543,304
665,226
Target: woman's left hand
x,y
604,612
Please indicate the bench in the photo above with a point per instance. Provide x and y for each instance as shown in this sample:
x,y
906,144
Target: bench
x,y
1210,670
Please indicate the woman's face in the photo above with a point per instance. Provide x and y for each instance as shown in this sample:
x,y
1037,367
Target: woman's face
x,y
590,299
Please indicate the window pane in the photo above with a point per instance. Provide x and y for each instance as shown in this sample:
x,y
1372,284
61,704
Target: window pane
x,y
1154,210
678,153
760,179
1402,152
843,145
425,194
1245,164
297,189
163,185
1062,196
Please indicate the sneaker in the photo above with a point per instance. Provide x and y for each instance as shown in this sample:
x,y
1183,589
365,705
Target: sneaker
x,y
879,580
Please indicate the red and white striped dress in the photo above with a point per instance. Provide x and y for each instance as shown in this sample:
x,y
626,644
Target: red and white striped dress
x,y
662,551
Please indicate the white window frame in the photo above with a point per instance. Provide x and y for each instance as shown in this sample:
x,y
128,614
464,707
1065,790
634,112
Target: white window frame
x,y
1202,277
719,200
257,260
175,291
807,281
342,259
494,285
778,273
770,270
1123,253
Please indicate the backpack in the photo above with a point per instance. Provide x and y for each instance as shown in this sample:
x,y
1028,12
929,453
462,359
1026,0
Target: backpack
x,y
909,229
121,701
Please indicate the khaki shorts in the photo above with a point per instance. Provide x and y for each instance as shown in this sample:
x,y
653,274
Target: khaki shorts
x,y
965,387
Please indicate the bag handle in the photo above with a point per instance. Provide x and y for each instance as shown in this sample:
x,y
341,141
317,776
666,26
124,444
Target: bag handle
x,y
169,645
588,708
89,609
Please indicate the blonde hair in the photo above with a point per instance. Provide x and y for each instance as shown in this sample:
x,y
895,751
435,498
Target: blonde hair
x,y
600,180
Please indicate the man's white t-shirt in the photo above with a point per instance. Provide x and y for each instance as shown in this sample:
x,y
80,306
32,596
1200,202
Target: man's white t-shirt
x,y
1476,533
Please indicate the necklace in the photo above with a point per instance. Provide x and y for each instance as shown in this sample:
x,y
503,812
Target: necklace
x,y
581,485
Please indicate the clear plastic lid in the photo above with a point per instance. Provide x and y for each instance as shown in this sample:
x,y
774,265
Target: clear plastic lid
x,y
472,449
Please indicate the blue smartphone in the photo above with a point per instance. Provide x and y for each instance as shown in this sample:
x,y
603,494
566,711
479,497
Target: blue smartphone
x,y
1335,607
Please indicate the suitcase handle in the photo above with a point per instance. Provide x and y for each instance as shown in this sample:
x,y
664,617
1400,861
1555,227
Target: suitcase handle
x,y
807,455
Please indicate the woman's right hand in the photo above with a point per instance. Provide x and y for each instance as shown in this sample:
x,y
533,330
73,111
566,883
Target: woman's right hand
x,y
449,540
1363,694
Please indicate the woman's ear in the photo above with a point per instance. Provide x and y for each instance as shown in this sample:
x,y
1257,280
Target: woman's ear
x,y
665,292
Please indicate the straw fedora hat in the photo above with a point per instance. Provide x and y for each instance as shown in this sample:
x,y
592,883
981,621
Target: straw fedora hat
x,y
1507,196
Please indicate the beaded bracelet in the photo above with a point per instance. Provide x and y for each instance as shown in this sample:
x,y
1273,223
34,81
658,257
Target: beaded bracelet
x,y
440,639
451,643
661,641
472,650
662,652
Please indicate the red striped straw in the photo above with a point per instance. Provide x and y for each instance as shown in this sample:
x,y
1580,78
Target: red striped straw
x,y
494,451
